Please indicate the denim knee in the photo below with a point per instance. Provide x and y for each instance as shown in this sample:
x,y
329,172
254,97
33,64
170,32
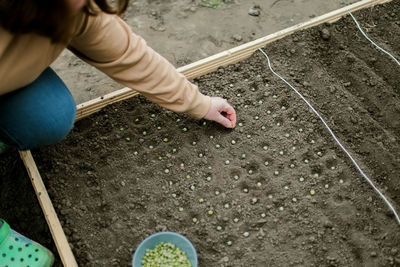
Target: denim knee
x,y
39,114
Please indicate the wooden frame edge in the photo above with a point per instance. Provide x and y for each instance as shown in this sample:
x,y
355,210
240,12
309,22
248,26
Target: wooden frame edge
x,y
57,232
95,105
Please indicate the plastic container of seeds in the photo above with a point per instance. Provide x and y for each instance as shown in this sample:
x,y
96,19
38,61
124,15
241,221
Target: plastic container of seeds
x,y
165,238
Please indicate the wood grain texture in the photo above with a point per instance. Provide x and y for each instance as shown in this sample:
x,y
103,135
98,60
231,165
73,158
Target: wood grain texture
x,y
63,248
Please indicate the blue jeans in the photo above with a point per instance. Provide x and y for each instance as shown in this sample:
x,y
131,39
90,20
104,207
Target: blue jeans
x,y
41,113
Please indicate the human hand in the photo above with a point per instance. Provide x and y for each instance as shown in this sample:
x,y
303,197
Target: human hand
x,y
222,112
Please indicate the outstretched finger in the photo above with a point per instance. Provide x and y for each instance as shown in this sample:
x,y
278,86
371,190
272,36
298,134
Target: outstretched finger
x,y
230,115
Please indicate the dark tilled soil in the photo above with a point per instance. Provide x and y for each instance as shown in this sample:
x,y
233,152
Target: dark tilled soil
x,y
116,179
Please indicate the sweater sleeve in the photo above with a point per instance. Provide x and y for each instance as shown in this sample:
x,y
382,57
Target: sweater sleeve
x,y
107,43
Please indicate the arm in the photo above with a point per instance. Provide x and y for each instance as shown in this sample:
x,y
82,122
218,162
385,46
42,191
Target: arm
x,y
106,42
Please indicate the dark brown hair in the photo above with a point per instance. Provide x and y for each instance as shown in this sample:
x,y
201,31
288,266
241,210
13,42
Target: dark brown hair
x,y
50,18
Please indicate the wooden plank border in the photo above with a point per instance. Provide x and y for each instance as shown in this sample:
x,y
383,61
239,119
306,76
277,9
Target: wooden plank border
x,y
227,57
95,105
191,71
57,232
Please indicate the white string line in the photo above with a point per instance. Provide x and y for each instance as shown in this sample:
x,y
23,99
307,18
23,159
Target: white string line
x,y
372,42
336,139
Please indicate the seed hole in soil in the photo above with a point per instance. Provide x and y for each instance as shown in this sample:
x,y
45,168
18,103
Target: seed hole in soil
x,y
306,157
252,168
278,122
230,238
244,185
293,116
264,146
253,86
192,214
235,172
316,169
320,151
259,182
217,191
284,105
268,161
331,164
293,164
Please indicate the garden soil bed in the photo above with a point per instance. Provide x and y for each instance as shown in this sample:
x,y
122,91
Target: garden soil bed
x,y
134,168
